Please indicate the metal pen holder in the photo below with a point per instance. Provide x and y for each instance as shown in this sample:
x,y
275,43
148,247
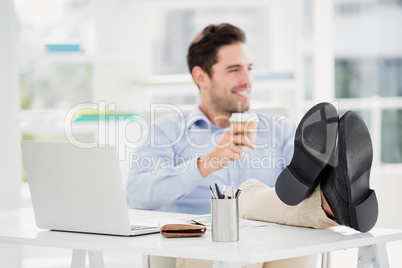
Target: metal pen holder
x,y
225,220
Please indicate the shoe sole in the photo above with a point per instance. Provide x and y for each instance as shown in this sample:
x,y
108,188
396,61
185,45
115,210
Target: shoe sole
x,y
356,156
315,141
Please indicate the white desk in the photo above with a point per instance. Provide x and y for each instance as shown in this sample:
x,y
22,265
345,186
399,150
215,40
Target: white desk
x,y
260,244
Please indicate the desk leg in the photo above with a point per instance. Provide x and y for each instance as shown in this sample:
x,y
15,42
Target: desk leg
x,y
78,259
375,255
95,259
145,261
11,256
325,259
220,264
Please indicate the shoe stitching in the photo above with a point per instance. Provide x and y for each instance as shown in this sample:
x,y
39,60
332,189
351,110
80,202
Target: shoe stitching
x,y
341,182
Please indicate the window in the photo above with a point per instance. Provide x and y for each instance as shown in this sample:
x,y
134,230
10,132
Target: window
x,y
391,136
368,70
178,29
54,41
360,78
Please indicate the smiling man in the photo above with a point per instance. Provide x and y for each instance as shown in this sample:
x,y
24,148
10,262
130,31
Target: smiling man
x,y
186,154
225,89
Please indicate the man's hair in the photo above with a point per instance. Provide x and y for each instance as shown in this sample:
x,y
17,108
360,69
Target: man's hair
x,y
203,50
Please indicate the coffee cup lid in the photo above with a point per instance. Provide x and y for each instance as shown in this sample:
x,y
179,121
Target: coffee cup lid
x,y
244,117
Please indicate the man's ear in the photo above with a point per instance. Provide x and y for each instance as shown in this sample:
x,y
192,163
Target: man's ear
x,y
200,77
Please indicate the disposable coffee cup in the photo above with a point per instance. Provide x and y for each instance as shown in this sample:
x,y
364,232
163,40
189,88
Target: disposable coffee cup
x,y
250,120
225,220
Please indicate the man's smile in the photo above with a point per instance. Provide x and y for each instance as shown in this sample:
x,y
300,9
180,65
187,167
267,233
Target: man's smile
x,y
242,93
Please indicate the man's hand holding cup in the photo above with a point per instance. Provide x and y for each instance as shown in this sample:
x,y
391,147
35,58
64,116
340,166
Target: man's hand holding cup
x,y
241,135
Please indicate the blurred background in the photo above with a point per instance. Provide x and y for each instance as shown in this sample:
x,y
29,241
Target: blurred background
x,y
57,54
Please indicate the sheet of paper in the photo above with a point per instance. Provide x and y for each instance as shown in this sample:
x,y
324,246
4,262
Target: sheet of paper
x,y
206,219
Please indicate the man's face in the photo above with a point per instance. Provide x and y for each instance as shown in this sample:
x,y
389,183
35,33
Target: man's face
x,y
230,82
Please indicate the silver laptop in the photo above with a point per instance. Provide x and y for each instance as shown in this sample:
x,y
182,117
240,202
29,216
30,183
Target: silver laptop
x,y
79,190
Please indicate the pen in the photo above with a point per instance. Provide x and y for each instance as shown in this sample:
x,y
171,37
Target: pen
x,y
229,193
224,191
212,192
218,192
233,189
238,192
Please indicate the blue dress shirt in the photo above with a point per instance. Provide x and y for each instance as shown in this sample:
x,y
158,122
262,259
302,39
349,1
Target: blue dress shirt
x,y
164,174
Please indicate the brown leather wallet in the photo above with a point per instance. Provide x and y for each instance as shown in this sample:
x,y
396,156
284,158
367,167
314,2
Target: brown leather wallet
x,y
183,230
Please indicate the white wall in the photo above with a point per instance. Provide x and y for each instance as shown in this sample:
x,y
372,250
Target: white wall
x,y
121,52
10,152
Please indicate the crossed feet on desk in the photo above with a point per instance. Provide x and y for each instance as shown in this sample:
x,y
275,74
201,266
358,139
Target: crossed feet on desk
x,y
335,154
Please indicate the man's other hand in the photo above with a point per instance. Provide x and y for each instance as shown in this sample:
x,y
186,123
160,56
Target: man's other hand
x,y
228,149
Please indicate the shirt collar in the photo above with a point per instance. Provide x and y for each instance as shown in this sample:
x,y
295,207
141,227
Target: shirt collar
x,y
198,118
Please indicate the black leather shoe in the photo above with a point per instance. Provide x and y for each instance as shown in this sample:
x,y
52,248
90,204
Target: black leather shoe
x,y
315,142
346,188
